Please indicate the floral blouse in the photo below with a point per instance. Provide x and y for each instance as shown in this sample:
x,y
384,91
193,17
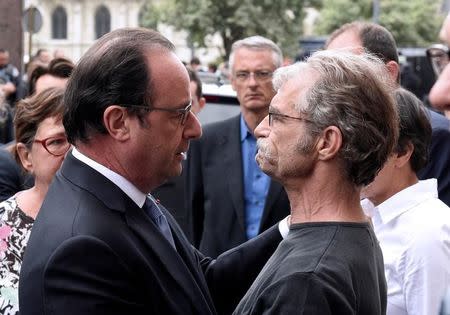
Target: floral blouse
x,y
15,228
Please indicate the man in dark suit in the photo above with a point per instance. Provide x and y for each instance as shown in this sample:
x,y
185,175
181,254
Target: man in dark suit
x,y
11,176
377,40
230,198
172,193
100,244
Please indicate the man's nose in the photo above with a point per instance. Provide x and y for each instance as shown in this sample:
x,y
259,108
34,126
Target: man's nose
x,y
192,128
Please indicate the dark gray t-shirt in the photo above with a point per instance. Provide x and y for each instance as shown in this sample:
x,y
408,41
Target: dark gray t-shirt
x,y
321,268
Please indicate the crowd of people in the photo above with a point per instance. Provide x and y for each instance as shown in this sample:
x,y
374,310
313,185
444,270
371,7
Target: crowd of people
x,y
328,194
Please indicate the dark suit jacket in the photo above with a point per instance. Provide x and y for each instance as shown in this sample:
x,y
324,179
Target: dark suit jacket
x,y
12,178
216,190
439,161
92,250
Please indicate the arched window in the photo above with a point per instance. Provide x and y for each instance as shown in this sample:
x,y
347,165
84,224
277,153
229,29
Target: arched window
x,y
102,21
59,23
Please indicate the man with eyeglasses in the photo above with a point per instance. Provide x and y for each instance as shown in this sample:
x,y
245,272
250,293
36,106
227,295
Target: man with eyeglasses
x,y
376,39
330,128
101,243
230,198
439,57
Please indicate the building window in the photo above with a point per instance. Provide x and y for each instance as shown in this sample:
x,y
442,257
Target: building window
x,y
59,23
102,21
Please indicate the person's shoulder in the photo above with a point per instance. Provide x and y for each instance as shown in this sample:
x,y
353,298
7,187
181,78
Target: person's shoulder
x,y
219,127
12,70
7,207
438,121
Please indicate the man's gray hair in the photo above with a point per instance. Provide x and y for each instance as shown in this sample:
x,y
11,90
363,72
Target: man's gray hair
x,y
257,43
352,92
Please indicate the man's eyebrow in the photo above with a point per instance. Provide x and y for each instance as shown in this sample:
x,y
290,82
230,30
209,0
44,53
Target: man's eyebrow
x,y
274,110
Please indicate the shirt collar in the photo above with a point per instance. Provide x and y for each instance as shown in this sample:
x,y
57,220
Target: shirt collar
x,y
127,187
404,200
245,132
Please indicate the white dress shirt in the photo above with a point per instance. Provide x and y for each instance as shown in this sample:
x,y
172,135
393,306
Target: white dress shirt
x,y
413,228
124,184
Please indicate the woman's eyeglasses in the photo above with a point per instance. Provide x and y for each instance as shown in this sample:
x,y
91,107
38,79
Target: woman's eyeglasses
x,y
56,146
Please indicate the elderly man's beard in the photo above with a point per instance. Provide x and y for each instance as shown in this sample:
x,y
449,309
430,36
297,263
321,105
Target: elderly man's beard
x,y
264,154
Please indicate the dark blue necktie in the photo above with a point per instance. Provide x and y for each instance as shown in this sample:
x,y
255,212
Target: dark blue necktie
x,y
153,211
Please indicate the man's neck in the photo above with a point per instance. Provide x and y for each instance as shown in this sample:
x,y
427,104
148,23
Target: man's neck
x,y
253,118
333,199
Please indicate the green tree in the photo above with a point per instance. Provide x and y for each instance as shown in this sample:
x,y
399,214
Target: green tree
x,y
279,20
412,22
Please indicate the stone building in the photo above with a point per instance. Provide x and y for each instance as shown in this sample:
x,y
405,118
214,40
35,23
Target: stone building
x,y
71,26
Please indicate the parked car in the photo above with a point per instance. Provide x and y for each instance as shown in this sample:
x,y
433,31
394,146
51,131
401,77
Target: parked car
x,y
221,103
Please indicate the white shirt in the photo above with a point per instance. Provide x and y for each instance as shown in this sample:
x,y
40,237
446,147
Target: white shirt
x,y
413,228
124,184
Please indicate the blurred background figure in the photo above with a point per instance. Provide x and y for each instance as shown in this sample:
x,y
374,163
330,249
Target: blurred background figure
x,y
9,77
195,64
230,199
410,222
42,57
56,74
212,67
9,84
438,55
41,146
58,53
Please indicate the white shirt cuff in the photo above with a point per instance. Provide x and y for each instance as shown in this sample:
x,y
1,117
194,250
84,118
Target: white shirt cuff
x,y
283,227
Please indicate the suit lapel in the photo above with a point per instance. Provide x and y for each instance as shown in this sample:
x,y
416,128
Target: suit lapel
x,y
185,277
233,168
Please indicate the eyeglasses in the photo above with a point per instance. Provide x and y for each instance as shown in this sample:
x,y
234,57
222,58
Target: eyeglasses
x,y
277,116
439,56
56,146
182,112
260,76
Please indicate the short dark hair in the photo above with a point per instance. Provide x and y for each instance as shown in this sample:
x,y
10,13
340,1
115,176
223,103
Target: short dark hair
x,y
375,38
40,51
195,61
58,67
113,71
31,111
415,128
193,77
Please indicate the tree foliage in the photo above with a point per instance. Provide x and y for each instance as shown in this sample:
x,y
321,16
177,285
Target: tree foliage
x,y
412,22
279,20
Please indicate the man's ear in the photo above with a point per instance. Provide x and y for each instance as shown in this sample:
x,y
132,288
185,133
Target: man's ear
x,y
117,122
329,143
201,104
394,70
25,157
402,158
